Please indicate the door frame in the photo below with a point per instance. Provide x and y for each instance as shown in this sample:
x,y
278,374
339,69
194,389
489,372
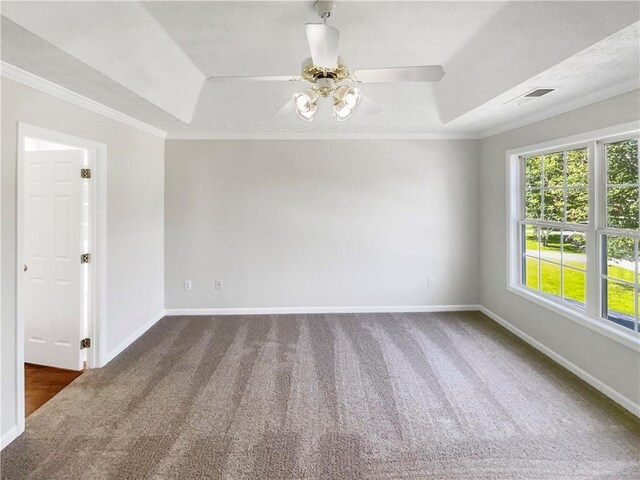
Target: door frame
x,y
98,233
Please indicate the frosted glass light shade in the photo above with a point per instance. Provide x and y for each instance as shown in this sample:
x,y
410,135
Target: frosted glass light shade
x,y
345,101
306,104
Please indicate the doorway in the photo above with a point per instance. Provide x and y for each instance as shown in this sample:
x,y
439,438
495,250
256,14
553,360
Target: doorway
x,y
60,261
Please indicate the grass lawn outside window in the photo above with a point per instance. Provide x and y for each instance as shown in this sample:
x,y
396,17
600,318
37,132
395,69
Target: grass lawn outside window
x,y
620,295
578,228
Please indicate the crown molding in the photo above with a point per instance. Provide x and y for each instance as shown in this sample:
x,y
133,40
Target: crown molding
x,y
585,100
322,136
11,72
16,74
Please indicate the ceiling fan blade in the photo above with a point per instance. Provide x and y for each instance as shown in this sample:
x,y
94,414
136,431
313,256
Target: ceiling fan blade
x,y
323,44
287,110
368,106
259,78
425,73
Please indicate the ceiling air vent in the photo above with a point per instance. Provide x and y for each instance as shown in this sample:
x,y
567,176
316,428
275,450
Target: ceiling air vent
x,y
531,95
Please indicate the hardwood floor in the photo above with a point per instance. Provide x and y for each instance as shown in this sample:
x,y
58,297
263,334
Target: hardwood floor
x,y
43,383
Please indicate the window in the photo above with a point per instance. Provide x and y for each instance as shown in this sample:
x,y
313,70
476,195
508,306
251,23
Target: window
x,y
554,224
575,229
619,269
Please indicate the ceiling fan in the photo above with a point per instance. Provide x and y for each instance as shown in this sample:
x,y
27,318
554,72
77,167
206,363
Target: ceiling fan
x,y
330,78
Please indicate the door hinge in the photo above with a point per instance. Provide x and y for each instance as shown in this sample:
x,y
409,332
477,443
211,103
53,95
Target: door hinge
x,y
85,258
85,173
85,343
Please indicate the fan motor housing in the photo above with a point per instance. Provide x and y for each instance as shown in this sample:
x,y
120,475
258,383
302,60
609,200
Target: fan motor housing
x,y
324,7
312,73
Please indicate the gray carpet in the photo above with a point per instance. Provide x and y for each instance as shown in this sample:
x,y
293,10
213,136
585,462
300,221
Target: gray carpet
x,y
370,396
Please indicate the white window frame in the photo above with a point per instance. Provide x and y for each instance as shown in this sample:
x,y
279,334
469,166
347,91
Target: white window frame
x,y
603,228
591,316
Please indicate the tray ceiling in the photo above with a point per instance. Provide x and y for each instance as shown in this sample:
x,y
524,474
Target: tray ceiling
x,y
149,60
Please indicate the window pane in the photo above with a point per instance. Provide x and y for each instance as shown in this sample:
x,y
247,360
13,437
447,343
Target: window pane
x,y
533,171
622,207
577,168
550,278
620,303
554,205
550,244
578,206
531,272
554,170
532,204
531,238
620,262
574,286
622,162
637,265
574,252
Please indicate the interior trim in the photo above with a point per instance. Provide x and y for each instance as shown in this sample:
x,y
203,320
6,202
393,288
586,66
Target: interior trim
x,y
614,395
610,91
18,75
172,312
604,327
114,352
9,436
323,136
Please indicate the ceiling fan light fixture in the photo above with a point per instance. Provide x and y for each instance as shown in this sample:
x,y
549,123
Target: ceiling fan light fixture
x,y
343,112
345,101
306,104
326,70
348,96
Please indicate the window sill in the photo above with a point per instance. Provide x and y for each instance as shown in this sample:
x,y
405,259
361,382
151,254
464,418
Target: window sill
x,y
629,339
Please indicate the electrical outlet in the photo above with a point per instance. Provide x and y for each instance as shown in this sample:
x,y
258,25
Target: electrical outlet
x,y
431,281
187,284
218,284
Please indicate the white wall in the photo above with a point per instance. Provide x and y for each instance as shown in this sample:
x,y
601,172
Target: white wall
x,y
305,224
610,362
135,219
321,223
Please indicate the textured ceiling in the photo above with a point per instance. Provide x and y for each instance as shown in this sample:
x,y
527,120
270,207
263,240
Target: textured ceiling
x,y
607,68
149,60
268,38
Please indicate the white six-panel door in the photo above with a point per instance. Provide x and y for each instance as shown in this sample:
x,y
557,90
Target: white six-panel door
x,y
53,298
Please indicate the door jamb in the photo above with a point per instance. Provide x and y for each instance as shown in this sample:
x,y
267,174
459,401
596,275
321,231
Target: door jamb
x,y
98,234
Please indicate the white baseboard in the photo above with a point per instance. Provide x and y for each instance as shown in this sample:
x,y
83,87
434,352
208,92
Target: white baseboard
x,y
614,395
131,338
9,436
617,397
292,310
